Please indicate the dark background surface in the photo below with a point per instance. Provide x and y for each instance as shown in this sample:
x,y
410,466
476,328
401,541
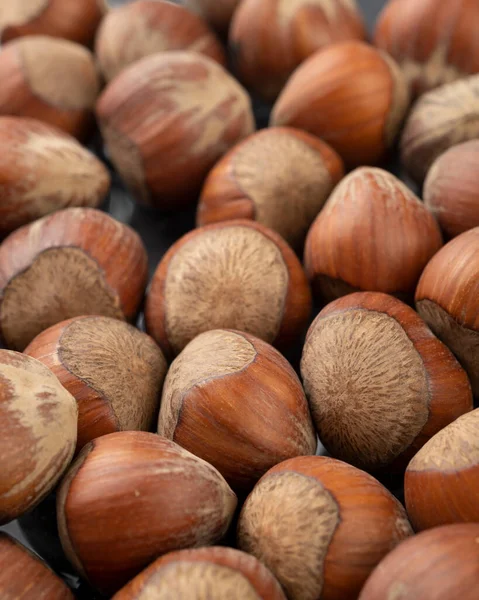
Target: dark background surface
x,y
159,231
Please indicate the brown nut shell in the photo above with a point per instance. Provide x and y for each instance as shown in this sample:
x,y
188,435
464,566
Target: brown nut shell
x,y
233,275
280,177
133,31
234,401
133,496
114,371
218,14
321,526
379,383
75,262
167,119
38,432
271,38
215,573
352,96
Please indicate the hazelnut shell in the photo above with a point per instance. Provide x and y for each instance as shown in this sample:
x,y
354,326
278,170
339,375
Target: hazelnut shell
x,y
218,14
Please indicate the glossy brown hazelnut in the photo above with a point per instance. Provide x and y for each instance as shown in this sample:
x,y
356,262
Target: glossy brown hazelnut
x,y
444,117
51,80
114,371
167,119
442,564
133,31
233,275
321,526
218,14
373,234
215,573
352,96
279,177
24,577
75,20
379,383
38,432
42,169
433,41
133,496
236,402
77,261
446,298
271,38
451,189
442,479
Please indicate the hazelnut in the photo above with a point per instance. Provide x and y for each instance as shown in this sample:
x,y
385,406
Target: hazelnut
x,y
114,371
215,573
133,31
321,526
451,189
271,38
43,170
75,20
218,14
234,401
279,177
179,110
77,261
373,234
440,119
232,275
432,41
352,96
24,577
49,79
446,298
133,496
38,431
444,474
379,383
442,564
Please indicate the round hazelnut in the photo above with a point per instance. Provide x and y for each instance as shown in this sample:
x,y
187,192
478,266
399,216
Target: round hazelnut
x,y
352,96
234,401
271,38
49,79
446,298
133,496
451,189
373,234
279,177
77,261
38,432
218,14
440,119
321,526
114,371
378,382
24,577
233,275
215,573
179,110
442,564
444,475
42,170
133,31
432,40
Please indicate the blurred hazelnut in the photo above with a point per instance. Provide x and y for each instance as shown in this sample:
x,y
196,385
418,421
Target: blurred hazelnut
x,y
77,261
167,119
114,371
379,383
352,96
38,431
270,38
233,275
279,177
218,14
133,496
133,31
